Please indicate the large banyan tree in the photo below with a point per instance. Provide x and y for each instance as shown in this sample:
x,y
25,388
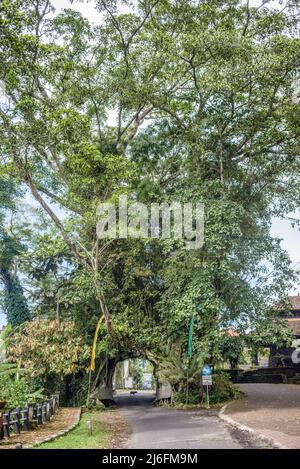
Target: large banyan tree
x,y
162,101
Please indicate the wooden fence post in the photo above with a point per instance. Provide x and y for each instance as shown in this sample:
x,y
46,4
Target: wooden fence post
x,y
6,419
25,419
20,419
15,420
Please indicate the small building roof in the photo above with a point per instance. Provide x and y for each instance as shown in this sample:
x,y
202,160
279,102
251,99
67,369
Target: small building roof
x,y
294,324
290,310
230,332
290,303
294,302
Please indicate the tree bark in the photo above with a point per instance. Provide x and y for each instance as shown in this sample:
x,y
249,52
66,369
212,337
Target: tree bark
x,y
102,386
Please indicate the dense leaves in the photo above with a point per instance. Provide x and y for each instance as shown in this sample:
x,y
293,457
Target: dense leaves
x,y
14,301
16,393
47,347
203,94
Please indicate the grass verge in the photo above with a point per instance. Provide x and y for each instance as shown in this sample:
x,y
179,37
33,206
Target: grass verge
x,y
80,438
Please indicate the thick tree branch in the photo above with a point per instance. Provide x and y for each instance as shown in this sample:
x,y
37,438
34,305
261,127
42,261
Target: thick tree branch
x,y
57,222
247,20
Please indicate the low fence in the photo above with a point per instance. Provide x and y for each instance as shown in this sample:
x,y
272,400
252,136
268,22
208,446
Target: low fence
x,y
19,420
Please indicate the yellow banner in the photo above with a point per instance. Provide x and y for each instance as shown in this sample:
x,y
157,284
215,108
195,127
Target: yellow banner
x,y
93,355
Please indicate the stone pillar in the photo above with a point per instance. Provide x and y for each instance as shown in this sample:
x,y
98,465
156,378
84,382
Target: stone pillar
x,y
163,390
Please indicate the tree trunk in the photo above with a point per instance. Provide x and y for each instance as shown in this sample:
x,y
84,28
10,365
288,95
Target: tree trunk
x,y
102,386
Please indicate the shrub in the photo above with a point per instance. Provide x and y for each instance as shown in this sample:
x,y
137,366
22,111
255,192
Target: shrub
x,y
193,397
17,392
222,389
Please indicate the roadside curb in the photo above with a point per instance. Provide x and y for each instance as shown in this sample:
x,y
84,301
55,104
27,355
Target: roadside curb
x,y
249,430
57,435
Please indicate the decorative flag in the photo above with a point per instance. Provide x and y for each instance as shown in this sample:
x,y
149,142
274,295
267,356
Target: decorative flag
x,y
190,343
93,354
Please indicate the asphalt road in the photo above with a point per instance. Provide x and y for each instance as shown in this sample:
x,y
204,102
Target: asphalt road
x,y
273,410
161,428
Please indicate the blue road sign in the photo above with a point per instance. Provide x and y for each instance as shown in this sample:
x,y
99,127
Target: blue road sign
x,y
206,370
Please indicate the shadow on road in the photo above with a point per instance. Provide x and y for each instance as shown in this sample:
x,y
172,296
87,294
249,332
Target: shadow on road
x,y
142,398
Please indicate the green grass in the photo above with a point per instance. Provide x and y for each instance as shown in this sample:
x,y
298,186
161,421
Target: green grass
x,y
79,438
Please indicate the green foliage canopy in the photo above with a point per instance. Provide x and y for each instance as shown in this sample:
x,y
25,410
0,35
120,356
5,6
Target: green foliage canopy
x,y
213,82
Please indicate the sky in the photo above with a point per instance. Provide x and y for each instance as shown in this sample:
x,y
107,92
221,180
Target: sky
x,y
280,228
87,9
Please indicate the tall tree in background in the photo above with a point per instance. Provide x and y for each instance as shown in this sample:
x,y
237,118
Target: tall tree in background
x,y
14,302
213,83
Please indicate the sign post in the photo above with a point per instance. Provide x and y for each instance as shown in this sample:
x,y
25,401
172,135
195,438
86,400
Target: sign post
x,y
206,373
